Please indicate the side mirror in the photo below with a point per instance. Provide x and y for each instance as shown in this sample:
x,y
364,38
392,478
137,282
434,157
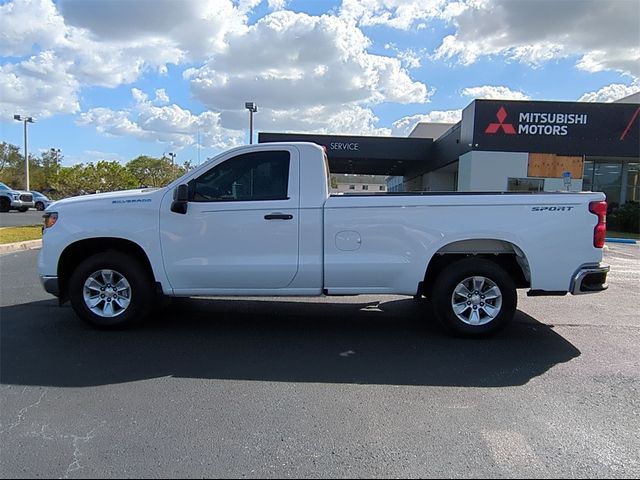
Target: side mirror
x,y
180,199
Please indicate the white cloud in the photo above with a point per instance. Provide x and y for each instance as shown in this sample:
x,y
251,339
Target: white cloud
x,y
167,124
611,93
603,35
410,57
404,126
311,71
491,92
100,43
197,28
400,14
38,87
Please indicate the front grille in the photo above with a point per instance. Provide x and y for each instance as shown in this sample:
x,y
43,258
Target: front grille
x,y
26,198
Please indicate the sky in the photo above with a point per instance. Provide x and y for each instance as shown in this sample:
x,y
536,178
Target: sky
x,y
114,79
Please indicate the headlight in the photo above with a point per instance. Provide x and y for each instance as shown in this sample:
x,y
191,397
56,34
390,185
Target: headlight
x,y
16,196
50,219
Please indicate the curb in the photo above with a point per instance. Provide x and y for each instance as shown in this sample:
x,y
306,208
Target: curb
x,y
620,240
19,246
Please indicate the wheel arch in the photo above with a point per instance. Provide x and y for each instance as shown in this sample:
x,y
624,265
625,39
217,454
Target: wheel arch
x,y
503,252
74,253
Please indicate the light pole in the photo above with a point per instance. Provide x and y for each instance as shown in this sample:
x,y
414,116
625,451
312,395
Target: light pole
x,y
253,108
25,120
56,155
173,158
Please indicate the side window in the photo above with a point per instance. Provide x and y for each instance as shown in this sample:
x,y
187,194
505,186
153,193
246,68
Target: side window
x,y
252,176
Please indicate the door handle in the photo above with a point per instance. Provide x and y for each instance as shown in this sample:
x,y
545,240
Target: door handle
x,y
278,216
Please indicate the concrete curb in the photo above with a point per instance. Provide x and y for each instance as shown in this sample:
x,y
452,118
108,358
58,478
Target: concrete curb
x,y
18,246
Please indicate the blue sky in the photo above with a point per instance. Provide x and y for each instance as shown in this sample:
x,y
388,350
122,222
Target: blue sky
x,y
113,79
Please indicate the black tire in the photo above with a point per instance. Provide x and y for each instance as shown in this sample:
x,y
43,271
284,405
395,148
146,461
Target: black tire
x,y
481,315
141,295
5,204
23,209
39,206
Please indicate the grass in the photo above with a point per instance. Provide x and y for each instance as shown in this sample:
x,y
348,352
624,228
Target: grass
x,y
614,234
20,234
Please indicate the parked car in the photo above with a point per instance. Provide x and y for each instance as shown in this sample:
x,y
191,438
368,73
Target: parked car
x,y
11,199
41,201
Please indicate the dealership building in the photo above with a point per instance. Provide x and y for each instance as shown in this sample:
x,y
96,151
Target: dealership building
x,y
502,145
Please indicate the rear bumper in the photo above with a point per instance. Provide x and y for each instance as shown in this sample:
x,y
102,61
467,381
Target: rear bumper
x,y
590,279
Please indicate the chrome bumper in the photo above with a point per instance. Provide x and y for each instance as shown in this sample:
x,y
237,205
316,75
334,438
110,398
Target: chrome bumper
x,y
590,279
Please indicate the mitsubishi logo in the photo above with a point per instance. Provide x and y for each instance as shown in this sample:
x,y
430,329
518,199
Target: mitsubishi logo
x,y
506,127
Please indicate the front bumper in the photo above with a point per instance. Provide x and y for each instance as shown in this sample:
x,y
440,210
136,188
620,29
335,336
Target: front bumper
x,y
590,279
22,204
50,285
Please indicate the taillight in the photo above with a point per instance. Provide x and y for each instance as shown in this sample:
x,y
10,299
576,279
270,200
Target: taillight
x,y
600,232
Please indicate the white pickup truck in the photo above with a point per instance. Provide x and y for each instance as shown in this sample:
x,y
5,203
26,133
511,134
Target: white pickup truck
x,y
259,220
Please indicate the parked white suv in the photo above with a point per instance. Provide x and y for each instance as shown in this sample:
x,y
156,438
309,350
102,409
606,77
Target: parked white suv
x,y
11,199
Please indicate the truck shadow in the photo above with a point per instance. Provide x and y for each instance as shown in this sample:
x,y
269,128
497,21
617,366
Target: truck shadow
x,y
392,343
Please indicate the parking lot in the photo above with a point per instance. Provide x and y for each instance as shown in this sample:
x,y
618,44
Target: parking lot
x,y
20,219
329,387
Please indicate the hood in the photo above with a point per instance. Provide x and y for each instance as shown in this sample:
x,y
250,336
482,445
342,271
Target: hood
x,y
123,196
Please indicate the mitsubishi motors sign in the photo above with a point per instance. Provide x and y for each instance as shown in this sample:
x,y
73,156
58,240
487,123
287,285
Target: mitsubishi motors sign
x,y
564,128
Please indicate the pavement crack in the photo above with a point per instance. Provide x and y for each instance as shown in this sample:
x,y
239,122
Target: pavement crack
x,y
75,465
23,413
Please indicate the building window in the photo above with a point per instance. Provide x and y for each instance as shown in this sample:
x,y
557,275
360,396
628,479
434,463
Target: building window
x,y
525,185
382,188
365,187
352,187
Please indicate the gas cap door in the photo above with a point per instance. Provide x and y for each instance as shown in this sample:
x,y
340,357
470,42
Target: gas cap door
x,y
348,240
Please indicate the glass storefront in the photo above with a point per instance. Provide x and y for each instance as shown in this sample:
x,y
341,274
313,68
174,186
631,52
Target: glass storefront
x,y
619,179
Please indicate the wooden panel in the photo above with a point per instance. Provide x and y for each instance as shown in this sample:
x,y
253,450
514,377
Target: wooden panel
x,y
548,165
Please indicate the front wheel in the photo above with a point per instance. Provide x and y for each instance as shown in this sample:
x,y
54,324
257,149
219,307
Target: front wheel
x,y
111,290
23,209
474,297
5,204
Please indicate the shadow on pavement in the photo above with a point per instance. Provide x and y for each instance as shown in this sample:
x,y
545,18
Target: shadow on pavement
x,y
393,343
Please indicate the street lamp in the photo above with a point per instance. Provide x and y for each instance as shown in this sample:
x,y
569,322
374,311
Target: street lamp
x,y
56,154
25,120
253,108
173,157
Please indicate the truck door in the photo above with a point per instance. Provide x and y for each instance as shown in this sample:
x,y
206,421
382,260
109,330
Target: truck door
x,y
240,231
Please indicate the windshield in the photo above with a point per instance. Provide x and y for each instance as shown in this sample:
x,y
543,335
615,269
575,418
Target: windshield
x,y
3,186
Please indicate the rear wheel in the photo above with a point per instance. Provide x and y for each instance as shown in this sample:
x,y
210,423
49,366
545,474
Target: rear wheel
x,y
39,206
474,297
111,290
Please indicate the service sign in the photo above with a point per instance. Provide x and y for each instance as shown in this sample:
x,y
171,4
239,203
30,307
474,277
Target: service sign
x,y
563,128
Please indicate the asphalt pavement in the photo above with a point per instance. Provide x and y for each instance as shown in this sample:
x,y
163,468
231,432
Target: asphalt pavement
x,y
329,387
20,219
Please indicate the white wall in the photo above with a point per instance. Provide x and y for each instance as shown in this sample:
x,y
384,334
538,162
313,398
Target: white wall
x,y
490,171
557,184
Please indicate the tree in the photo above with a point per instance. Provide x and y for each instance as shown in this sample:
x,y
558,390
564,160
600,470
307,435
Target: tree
x,y
103,176
11,165
153,172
